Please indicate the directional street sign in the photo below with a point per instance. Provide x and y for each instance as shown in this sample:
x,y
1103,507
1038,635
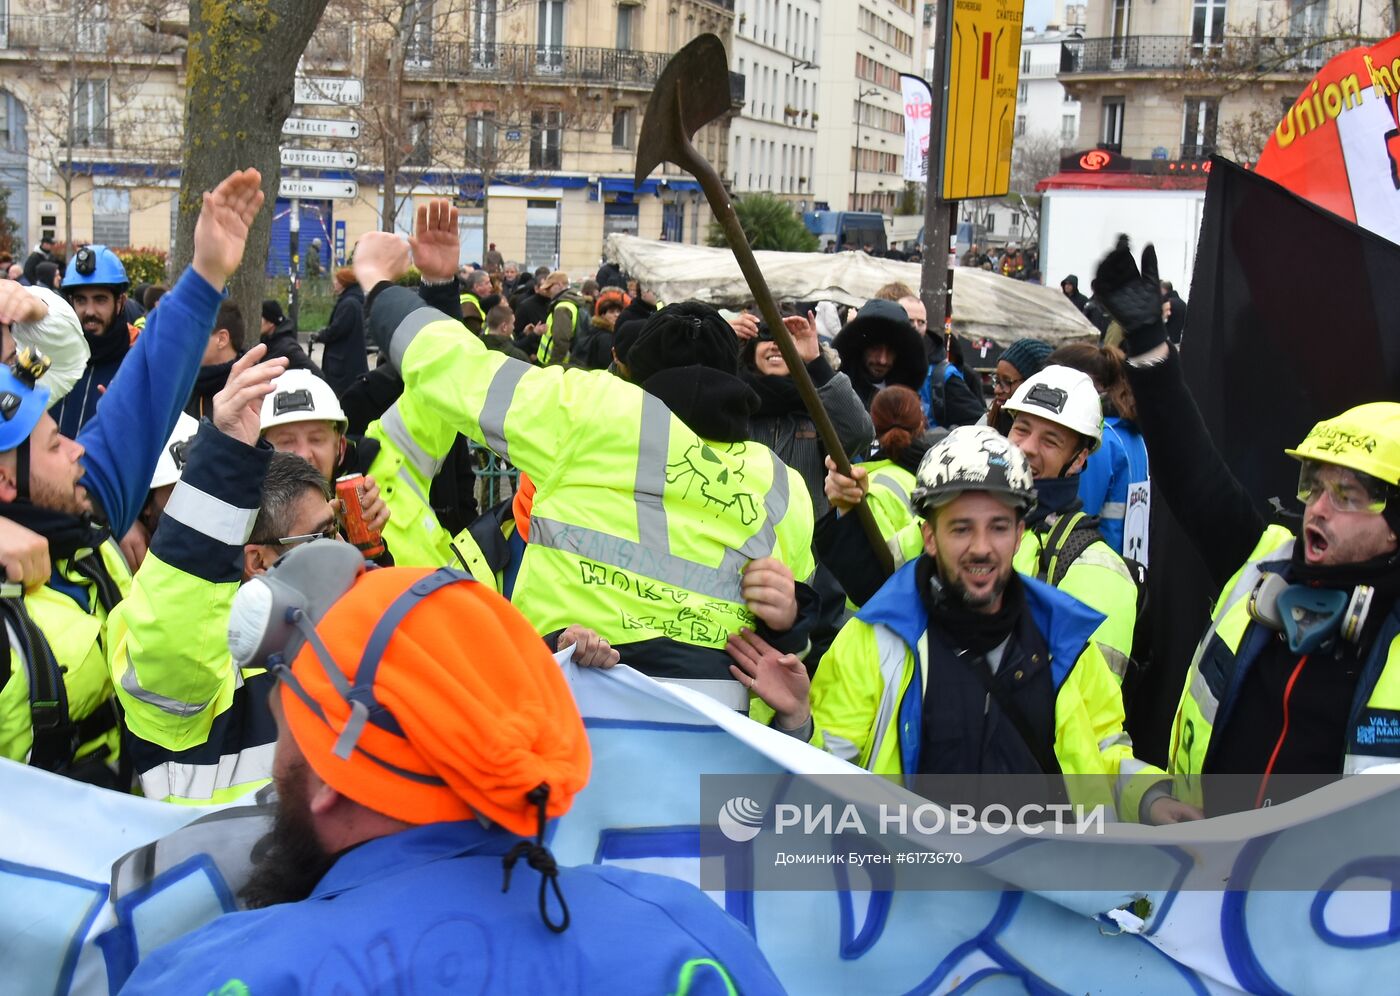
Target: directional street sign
x,y
321,128
340,90
316,189
318,159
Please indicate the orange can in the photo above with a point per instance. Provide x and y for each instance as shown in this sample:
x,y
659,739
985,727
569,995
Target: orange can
x,y
350,489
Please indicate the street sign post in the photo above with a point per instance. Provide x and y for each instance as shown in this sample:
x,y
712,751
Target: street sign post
x,y
319,159
321,128
292,187
333,90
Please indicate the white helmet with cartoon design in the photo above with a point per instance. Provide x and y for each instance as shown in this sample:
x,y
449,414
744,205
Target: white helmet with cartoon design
x,y
973,458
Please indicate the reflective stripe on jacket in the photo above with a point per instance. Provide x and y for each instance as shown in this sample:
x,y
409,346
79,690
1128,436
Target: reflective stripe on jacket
x,y
639,528
200,729
867,707
1229,648
413,443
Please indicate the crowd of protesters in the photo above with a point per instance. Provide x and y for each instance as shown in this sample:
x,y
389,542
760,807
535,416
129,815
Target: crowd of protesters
x,y
230,565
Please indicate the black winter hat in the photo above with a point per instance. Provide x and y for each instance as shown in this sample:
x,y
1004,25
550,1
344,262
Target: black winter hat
x,y
683,335
879,322
272,312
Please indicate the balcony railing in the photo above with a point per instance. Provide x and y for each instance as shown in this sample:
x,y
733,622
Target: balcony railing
x,y
65,34
536,63
1176,53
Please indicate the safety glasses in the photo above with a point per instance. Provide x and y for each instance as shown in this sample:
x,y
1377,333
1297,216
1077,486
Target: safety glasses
x,y
1348,490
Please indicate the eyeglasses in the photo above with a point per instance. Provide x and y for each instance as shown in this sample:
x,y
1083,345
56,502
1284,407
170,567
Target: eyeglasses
x,y
1006,383
1348,490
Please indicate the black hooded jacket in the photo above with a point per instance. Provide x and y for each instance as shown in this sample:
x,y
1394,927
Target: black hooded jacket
x,y
878,323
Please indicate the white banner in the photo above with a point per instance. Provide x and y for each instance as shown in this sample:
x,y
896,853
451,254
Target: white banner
x,y
72,921
918,117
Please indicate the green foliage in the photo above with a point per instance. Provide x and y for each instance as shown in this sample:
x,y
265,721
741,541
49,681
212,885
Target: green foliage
x,y
143,265
768,223
9,230
410,279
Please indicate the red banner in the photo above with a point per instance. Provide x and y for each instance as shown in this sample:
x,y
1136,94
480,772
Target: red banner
x,y
1339,144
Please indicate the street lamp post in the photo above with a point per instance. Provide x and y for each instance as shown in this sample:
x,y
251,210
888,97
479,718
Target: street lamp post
x,y
855,179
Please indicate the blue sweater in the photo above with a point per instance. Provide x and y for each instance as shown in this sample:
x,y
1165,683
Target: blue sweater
x,y
421,911
138,412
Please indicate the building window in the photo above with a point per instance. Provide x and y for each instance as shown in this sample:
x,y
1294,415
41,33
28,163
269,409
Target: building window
x,y
90,112
1118,24
542,233
1307,18
624,127
483,45
481,138
1198,131
1020,125
1207,26
111,216
626,26
1023,91
1111,135
417,33
545,146
1069,129
418,150
549,37
1026,60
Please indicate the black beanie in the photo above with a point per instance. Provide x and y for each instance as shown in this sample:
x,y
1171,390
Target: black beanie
x,y
683,335
272,311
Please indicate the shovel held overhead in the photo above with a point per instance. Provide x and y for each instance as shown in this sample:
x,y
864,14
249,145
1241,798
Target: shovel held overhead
x,y
693,91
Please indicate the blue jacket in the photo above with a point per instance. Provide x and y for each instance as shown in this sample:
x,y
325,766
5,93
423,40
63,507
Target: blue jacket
x,y
1103,485
421,911
144,400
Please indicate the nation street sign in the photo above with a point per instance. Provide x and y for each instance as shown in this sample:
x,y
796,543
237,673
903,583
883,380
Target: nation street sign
x,y
341,90
321,128
317,189
319,159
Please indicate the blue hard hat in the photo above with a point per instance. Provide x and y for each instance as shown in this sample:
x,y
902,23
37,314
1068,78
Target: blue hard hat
x,y
22,404
95,266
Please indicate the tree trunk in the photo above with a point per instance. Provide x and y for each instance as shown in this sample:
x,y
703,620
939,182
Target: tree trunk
x,y
240,65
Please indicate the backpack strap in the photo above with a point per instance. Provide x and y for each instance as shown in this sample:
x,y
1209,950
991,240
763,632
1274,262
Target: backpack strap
x,y
1071,535
55,735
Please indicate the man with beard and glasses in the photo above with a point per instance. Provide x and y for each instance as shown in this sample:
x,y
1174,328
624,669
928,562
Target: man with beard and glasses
x,y
1299,672
960,665
56,696
416,777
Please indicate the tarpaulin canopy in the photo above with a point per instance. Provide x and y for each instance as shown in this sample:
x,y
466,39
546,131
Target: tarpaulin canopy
x,y
985,305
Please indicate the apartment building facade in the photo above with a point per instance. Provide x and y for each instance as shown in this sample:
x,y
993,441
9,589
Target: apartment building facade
x,y
864,45
527,112
1045,110
773,140
1183,79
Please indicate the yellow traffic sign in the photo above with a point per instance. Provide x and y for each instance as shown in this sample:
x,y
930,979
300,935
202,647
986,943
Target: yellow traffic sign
x,y
983,70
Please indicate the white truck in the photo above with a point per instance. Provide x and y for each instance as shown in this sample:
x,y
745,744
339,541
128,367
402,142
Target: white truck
x,y
1078,227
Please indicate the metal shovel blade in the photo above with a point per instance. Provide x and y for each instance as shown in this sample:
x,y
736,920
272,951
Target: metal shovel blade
x,y
693,90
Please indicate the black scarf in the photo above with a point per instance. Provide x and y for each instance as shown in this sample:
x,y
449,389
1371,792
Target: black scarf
x,y
112,345
776,395
968,629
713,404
1058,495
67,534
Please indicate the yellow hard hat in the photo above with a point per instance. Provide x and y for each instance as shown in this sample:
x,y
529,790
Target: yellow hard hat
x,y
1365,438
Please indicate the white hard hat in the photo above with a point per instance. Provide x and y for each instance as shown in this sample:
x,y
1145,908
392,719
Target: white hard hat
x,y
59,336
301,396
973,458
1064,396
171,461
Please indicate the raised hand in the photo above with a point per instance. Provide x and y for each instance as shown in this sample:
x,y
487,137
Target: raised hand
x,y
845,493
380,256
1132,296
221,233
19,304
804,336
777,678
238,407
435,240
